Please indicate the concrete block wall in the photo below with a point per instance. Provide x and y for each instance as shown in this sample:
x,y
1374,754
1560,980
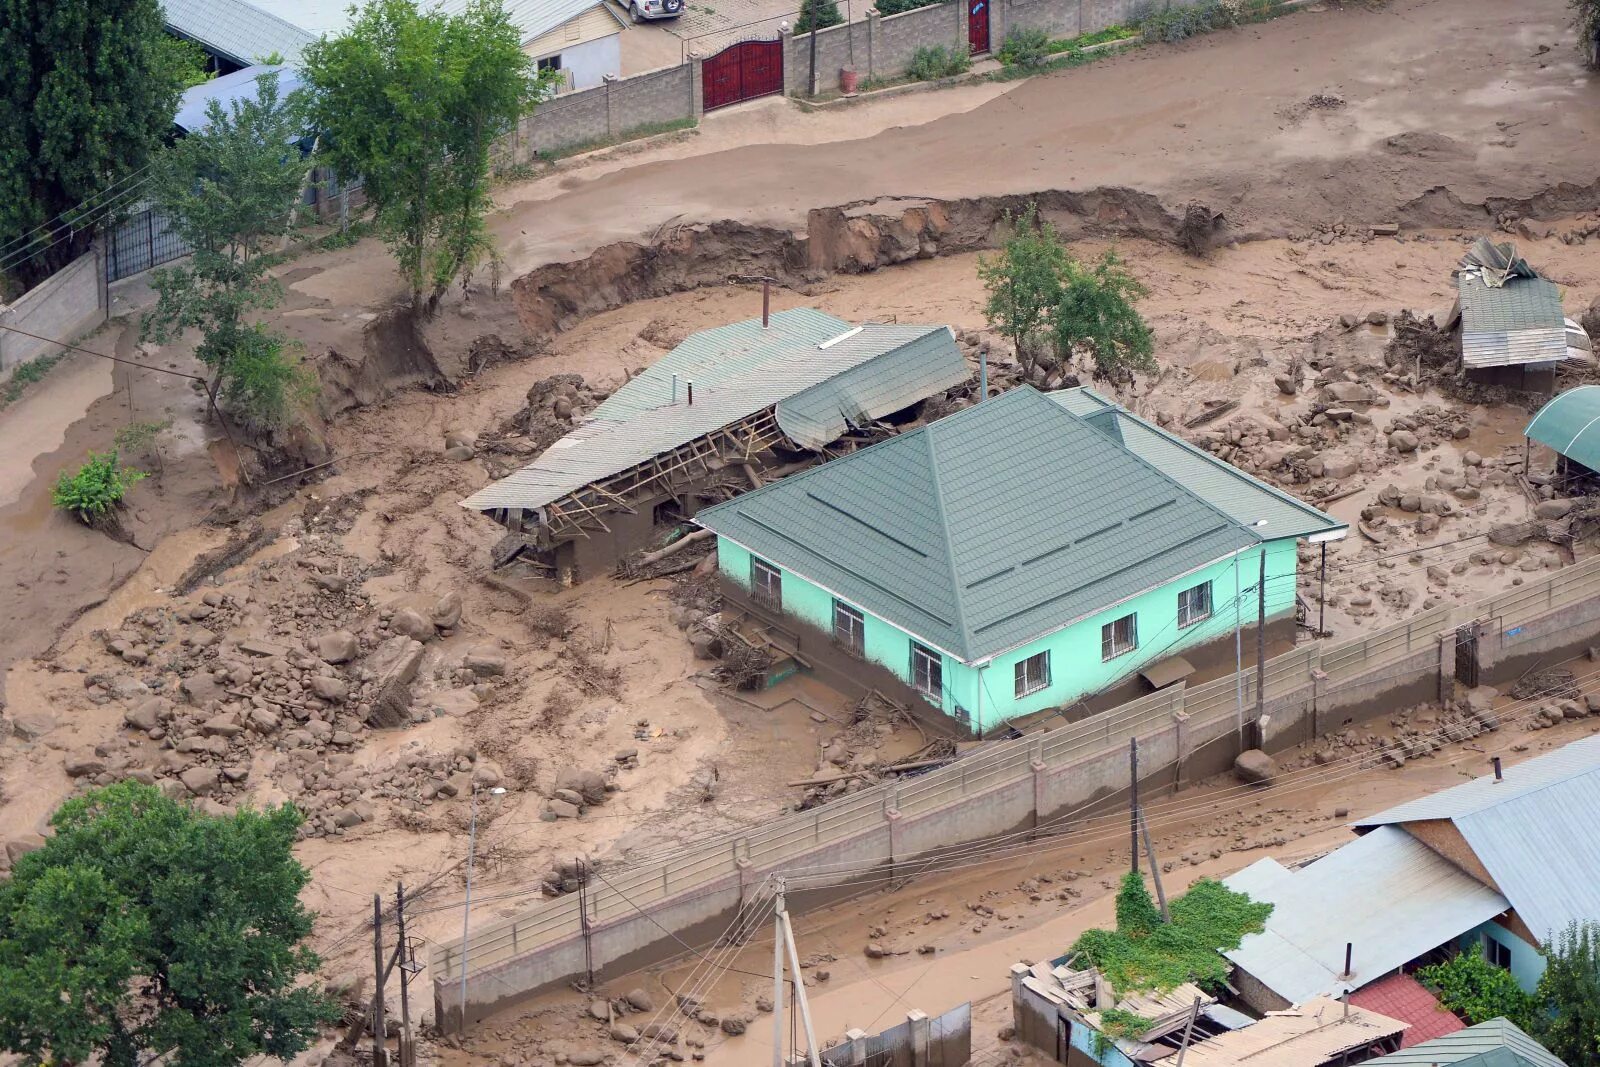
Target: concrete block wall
x,y
65,306
608,110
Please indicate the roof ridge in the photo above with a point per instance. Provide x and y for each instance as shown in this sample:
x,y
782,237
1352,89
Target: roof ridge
x,y
956,588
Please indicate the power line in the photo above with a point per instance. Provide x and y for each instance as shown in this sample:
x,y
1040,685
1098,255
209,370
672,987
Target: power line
x,y
105,355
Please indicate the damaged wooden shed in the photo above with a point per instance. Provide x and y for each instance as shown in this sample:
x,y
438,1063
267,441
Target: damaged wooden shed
x,y
727,410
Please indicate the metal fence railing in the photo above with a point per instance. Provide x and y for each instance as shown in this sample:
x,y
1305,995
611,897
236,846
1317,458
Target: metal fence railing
x,y
708,865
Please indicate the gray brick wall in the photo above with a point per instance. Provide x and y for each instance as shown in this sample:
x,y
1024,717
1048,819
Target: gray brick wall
x,y
65,306
1056,18
611,109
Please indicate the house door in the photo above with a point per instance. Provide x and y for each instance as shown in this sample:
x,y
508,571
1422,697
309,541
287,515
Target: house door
x,y
978,26
1467,655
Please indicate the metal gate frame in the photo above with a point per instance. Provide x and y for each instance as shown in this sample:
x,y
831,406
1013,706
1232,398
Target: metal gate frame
x,y
745,70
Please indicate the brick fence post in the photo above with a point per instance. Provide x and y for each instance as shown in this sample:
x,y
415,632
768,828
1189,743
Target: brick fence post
x,y
613,125
697,87
962,10
999,23
920,1027
874,32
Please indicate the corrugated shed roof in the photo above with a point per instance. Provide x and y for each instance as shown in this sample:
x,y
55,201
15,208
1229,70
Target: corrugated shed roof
x,y
1494,1043
986,529
240,85
1570,424
1388,894
249,29
244,32
1535,832
1400,996
1244,498
1518,322
738,370
1312,1034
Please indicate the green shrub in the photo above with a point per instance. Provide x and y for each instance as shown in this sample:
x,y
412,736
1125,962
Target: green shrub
x,y
1025,48
937,61
96,489
817,14
896,7
1180,23
1478,991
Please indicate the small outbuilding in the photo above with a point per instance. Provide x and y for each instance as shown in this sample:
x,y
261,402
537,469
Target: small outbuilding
x,y
1512,327
1569,425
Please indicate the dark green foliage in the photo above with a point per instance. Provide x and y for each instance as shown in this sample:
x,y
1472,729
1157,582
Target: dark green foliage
x,y
1477,990
930,63
1025,48
25,374
94,490
229,191
1206,921
87,92
143,926
817,14
1569,996
1179,23
1136,912
1024,282
1096,313
1118,1023
185,61
412,102
895,7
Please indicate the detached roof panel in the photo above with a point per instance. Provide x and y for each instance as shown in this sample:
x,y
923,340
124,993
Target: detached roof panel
x,y
240,85
1570,424
1245,499
737,371
1515,323
1314,1033
1387,893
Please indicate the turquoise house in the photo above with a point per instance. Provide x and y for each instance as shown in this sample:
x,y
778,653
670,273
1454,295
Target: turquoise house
x,y
1020,555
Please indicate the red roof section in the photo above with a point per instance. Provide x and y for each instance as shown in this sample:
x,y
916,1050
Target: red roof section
x,y
1402,997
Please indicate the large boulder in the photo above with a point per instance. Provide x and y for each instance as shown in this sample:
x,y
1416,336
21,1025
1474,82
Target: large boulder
x,y
340,646
590,785
1255,767
333,690
147,714
199,780
446,614
394,667
486,662
85,765
410,622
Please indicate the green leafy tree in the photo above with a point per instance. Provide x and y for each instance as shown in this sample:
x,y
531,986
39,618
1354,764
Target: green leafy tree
x,y
1136,912
95,490
1569,996
817,15
1096,312
186,61
1024,282
145,927
1478,991
87,92
412,102
228,191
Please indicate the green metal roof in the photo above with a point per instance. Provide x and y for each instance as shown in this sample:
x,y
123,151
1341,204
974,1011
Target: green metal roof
x,y
1244,498
1570,424
1495,1043
985,530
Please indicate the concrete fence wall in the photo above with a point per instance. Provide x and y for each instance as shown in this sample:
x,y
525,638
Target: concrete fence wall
x,y
608,111
67,305
1012,790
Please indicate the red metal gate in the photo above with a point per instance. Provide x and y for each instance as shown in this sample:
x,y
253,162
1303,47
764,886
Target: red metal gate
x,y
978,26
742,71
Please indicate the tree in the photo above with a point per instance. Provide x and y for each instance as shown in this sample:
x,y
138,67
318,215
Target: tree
x,y
412,102
186,60
228,190
88,90
817,15
143,926
1096,312
1478,991
1586,15
1024,282
1569,993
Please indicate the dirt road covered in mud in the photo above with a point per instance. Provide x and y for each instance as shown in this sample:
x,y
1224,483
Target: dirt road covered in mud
x,y
1440,104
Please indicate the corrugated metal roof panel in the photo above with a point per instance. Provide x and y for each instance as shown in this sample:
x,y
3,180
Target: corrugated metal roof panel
x,y
1314,1033
891,364
1245,499
240,85
1570,424
1517,323
1473,1046
315,18
985,529
1387,893
1534,832
242,31
737,370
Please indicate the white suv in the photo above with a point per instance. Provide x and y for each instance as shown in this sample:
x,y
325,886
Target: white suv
x,y
640,10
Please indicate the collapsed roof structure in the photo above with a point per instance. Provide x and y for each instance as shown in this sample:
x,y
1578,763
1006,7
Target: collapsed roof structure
x,y
1511,317
719,413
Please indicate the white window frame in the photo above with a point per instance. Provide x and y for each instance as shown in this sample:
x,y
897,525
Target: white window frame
x,y
929,681
1110,648
1186,615
766,584
1026,679
857,625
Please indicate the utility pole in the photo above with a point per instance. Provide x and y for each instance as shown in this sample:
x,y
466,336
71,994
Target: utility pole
x,y
1133,804
1155,871
1261,645
777,976
407,962
801,1003
379,1050
466,909
1322,594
